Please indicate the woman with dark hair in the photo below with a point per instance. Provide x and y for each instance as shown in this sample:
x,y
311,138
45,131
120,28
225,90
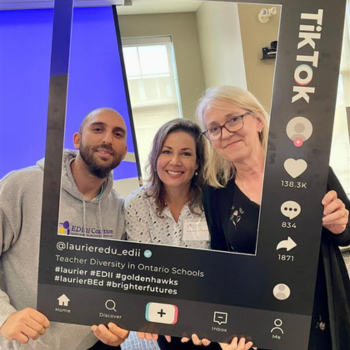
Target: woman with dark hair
x,y
159,211
172,197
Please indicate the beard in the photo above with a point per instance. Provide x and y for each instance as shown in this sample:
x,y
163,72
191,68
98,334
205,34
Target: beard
x,y
99,167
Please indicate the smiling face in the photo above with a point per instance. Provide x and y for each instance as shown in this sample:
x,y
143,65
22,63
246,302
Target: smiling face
x,y
177,161
102,142
238,146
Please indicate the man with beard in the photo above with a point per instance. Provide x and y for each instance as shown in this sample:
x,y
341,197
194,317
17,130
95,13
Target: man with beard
x,y
89,208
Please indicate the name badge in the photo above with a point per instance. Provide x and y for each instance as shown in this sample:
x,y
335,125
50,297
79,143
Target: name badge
x,y
196,230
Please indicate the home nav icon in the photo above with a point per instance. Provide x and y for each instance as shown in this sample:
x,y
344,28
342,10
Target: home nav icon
x,y
63,300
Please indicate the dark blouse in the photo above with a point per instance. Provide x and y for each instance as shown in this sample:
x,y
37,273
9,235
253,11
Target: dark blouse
x,y
242,226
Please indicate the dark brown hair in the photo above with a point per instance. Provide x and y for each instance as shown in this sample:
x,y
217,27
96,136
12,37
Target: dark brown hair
x,y
155,187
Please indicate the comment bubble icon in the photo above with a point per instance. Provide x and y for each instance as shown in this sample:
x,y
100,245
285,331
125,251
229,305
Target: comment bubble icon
x,y
290,209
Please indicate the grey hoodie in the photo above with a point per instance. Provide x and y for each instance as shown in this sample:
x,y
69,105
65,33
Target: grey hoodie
x,y
20,214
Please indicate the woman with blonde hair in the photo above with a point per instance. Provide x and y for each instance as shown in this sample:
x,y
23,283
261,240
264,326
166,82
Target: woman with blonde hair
x,y
236,126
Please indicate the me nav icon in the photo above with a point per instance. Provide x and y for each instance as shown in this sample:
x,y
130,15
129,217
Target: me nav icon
x,y
277,331
161,313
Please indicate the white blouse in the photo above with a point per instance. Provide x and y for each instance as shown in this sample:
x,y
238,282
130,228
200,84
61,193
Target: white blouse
x,y
144,225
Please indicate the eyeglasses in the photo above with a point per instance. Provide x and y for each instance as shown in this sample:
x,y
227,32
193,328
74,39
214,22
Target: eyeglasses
x,y
234,124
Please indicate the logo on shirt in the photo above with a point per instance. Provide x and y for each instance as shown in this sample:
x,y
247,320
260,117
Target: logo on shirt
x,y
63,228
67,229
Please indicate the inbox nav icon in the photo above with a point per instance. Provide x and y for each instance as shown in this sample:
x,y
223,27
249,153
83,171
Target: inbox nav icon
x,y
161,313
220,317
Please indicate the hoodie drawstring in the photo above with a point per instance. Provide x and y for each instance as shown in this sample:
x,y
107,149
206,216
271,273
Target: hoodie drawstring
x,y
84,217
99,217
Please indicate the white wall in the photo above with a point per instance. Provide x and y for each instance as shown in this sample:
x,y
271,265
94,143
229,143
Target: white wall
x,y
221,44
183,29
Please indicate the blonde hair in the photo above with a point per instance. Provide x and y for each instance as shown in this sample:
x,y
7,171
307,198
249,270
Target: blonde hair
x,y
217,170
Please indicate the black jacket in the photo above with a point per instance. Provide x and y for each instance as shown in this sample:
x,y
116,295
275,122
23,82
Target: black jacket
x,y
336,276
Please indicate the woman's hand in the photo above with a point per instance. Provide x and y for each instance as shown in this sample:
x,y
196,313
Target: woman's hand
x,y
113,335
151,336
237,344
335,215
147,336
196,340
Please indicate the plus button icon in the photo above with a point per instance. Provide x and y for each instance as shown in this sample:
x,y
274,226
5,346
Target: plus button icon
x,y
161,313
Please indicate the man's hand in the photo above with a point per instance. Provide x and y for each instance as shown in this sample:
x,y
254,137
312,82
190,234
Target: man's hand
x,y
24,325
113,335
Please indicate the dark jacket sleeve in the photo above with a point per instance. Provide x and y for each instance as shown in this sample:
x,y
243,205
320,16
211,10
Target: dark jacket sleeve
x,y
336,275
334,184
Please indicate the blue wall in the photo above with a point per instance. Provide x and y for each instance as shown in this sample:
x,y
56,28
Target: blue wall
x,y
95,80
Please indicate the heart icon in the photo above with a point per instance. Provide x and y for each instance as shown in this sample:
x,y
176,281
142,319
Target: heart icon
x,y
295,167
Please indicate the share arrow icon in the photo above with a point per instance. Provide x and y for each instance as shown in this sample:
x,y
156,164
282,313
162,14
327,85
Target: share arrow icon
x,y
288,244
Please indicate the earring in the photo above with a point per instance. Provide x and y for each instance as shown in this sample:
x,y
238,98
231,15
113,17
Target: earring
x,y
196,173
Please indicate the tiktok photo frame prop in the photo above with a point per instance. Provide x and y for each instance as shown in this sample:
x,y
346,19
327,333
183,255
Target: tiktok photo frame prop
x,y
180,291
